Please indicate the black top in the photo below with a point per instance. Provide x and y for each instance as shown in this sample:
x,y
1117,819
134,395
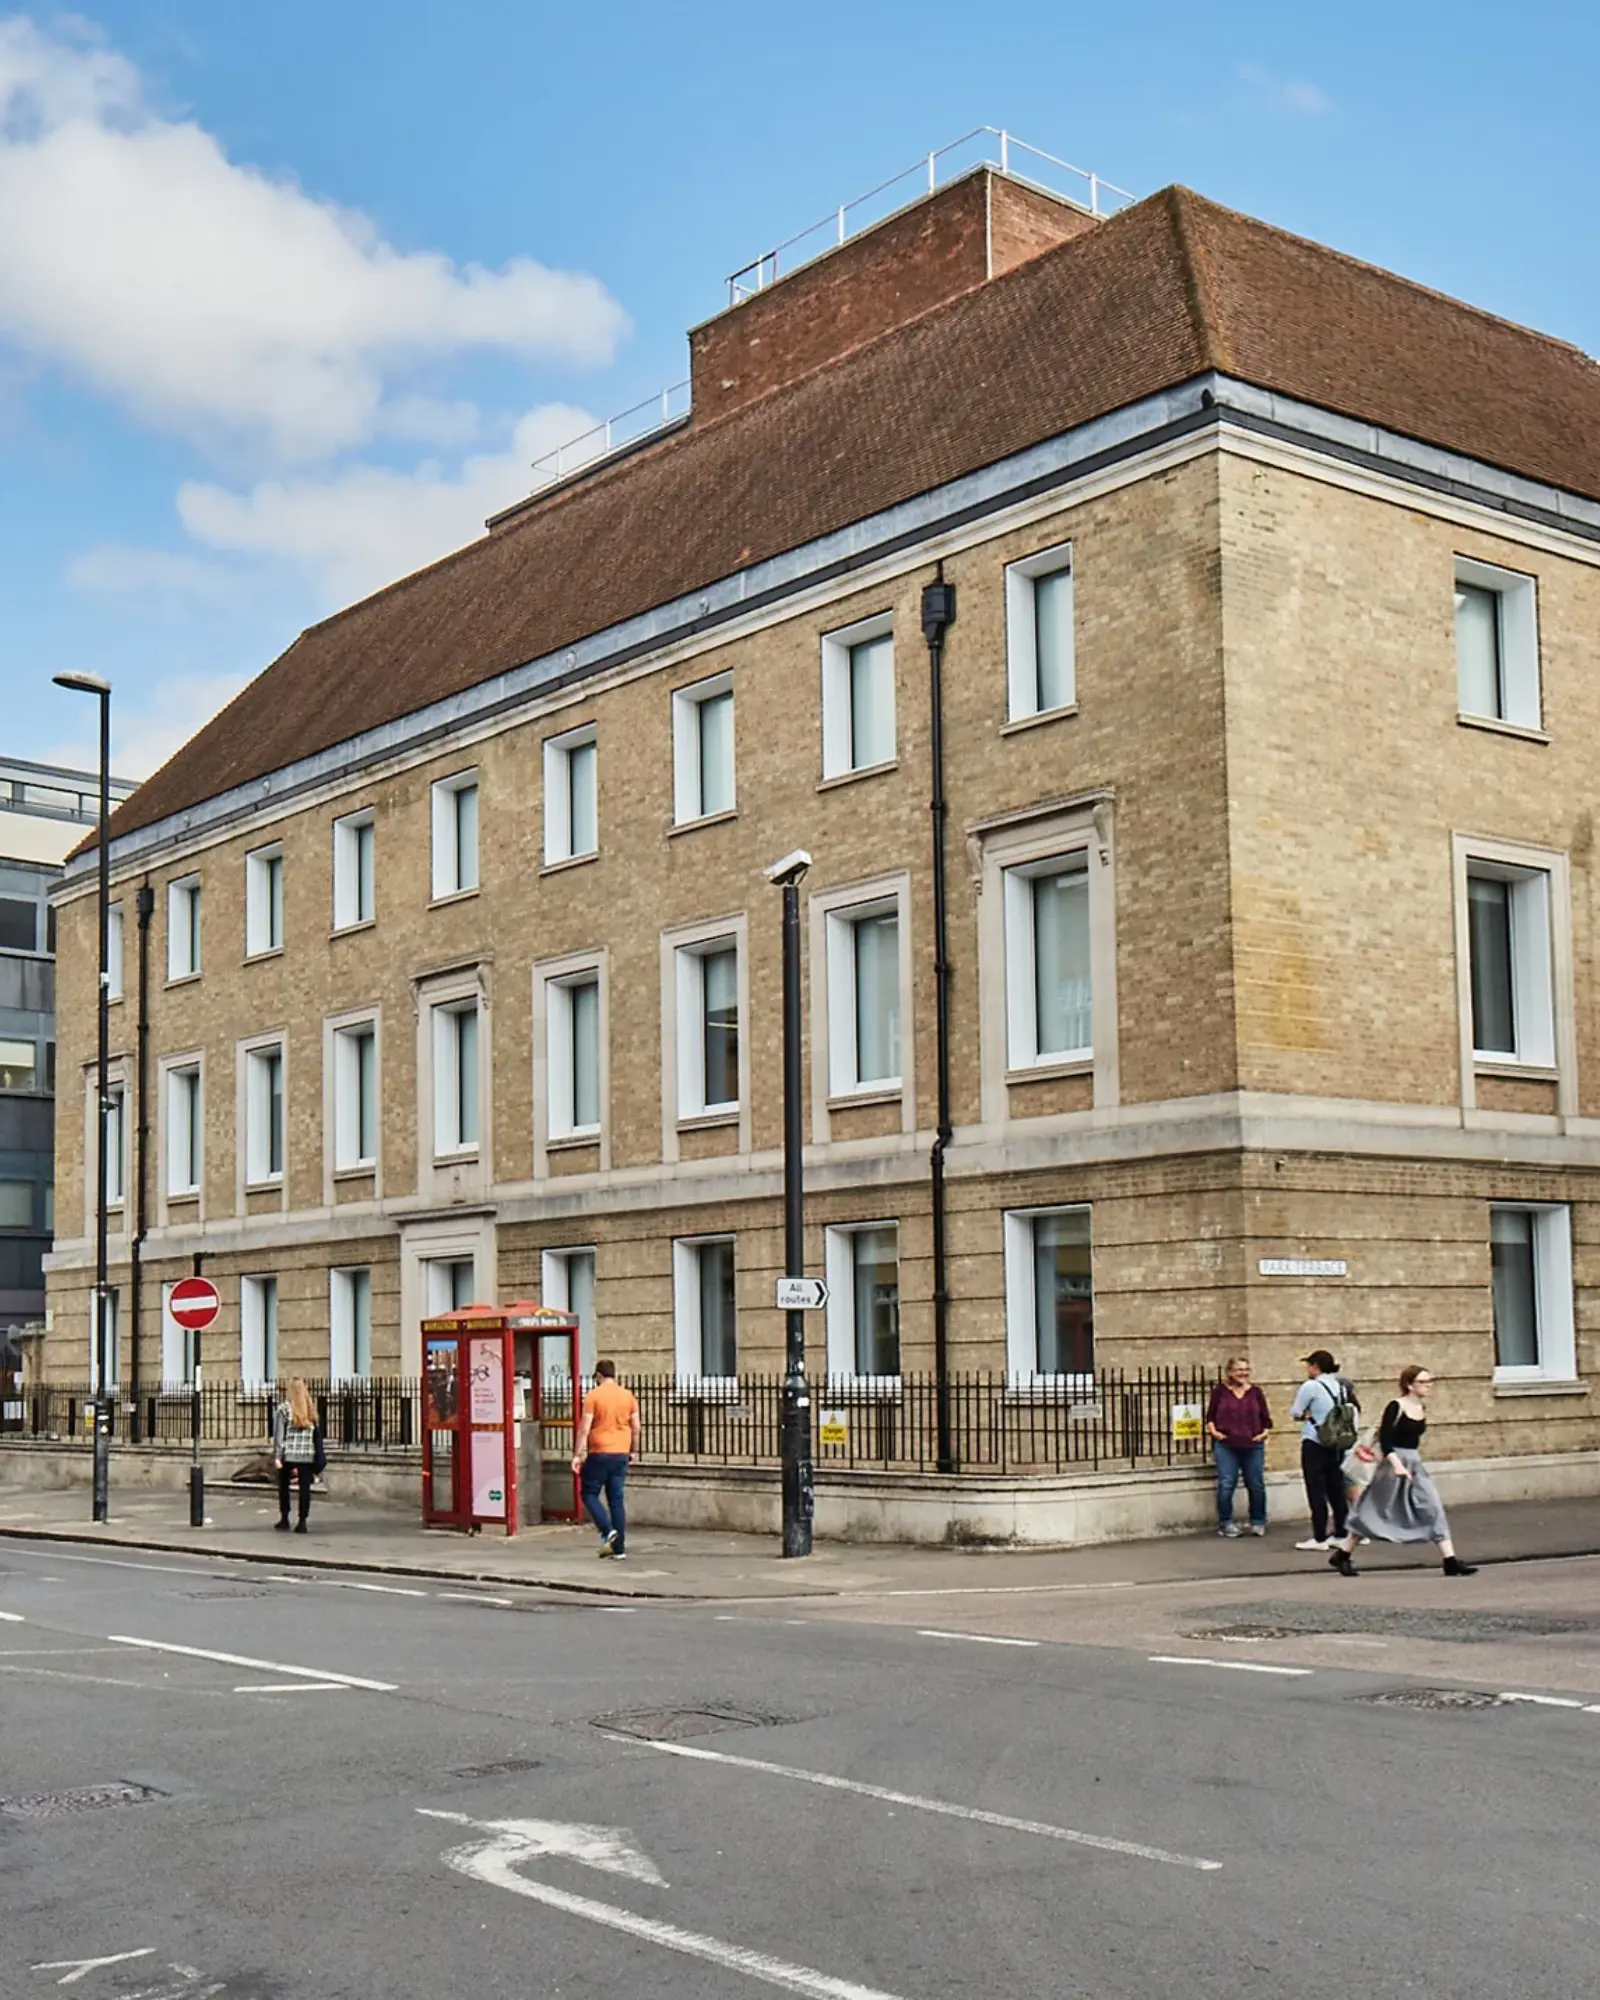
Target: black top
x,y
1399,1430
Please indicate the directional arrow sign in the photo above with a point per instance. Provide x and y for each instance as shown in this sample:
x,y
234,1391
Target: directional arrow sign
x,y
801,1294
501,1844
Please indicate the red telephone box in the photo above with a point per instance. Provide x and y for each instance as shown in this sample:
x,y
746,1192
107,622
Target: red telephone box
x,y
549,1403
469,1458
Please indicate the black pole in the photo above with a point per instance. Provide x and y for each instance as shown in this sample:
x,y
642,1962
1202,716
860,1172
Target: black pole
x,y
938,614
145,904
197,1472
796,1434
102,1221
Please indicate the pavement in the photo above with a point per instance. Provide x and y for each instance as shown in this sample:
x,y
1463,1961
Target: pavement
x,y
668,1563
228,1780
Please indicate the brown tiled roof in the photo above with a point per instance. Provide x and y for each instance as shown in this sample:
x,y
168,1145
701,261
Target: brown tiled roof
x,y
1168,289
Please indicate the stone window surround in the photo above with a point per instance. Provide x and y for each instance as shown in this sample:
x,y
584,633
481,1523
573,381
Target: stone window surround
x,y
550,972
688,808
347,829
840,1311
1021,636
448,986
1554,1303
687,937
1021,1304
166,1068
117,1078
444,824
688,1333
824,906
185,924
263,901
838,760
1016,839
278,1183
1465,849
558,849
333,1025
1517,595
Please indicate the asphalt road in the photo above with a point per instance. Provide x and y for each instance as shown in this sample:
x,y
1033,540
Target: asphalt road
x,y
403,1790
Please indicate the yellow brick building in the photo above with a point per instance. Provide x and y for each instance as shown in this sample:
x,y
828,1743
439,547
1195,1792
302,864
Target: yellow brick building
x,y
1269,712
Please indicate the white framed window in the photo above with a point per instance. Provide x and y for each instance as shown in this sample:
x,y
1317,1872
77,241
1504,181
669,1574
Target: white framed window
x,y
1049,1296
354,870
116,1144
183,927
1041,666
708,1027
858,696
705,1317
263,1113
258,1332
864,997
573,1017
457,1080
863,1266
566,1283
177,1345
263,901
1049,989
114,950
1497,644
455,834
350,1324
355,1095
571,795
452,1282
185,1138
702,750
1530,1257
1509,950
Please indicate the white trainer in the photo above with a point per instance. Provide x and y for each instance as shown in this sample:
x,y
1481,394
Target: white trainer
x,y
1312,1544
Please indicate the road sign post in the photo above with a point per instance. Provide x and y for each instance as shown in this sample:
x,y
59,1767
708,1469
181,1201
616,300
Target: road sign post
x,y
194,1303
795,1431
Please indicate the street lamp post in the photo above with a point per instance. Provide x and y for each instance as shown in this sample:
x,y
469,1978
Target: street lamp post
x,y
103,1369
795,1438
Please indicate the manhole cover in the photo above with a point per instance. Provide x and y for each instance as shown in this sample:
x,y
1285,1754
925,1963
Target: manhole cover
x,y
87,1798
1420,1697
671,1725
507,1767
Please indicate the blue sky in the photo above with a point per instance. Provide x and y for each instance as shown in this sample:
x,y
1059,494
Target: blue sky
x,y
290,295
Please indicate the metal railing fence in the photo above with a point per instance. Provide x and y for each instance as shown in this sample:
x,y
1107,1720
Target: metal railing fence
x,y
376,1413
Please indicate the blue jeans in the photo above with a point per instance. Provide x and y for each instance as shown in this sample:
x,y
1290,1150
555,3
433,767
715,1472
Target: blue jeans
x,y
1248,1464
605,1470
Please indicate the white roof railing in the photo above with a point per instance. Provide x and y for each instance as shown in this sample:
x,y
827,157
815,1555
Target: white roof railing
x,y
984,145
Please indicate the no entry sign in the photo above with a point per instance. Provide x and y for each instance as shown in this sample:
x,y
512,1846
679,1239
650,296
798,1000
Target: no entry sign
x,y
195,1303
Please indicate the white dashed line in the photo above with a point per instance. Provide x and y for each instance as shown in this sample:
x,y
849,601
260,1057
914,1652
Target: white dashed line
x,y
12,1618
296,1687
471,1597
243,1660
1545,1700
976,1638
1231,1666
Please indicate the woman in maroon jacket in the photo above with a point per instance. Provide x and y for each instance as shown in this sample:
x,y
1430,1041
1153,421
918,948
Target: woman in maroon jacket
x,y
1237,1422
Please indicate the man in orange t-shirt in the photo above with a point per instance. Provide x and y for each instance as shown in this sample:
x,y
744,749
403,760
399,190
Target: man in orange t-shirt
x,y
608,1436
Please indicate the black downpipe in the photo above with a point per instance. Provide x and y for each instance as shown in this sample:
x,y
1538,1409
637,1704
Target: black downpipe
x,y
938,615
145,904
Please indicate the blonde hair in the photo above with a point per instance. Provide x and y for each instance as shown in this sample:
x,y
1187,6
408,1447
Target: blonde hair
x,y
1235,1361
302,1411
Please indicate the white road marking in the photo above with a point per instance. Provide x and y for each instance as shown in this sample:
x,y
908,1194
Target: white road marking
x,y
1233,1666
99,1680
295,1687
472,1597
993,1589
385,1589
243,1660
977,1638
1040,1828
75,1968
162,1569
607,1848
1544,1700
494,1861
13,1618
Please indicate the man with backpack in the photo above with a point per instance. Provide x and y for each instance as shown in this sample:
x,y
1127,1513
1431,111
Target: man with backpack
x,y
1329,1426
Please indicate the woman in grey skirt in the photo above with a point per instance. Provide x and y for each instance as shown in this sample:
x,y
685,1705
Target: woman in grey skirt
x,y
1402,1503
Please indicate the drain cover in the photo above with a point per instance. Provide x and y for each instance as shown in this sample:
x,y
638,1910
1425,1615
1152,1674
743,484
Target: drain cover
x,y
671,1725
1421,1697
87,1798
508,1767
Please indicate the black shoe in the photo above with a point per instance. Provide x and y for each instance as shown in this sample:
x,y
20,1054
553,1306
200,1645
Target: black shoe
x,y
299,1527
1454,1566
1340,1560
282,1526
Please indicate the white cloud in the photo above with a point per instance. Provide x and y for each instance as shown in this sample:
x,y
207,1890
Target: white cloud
x,y
114,569
211,299
352,530
147,728
1304,100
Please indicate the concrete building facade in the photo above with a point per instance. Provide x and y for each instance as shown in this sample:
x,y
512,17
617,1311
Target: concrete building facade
x,y
1268,712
